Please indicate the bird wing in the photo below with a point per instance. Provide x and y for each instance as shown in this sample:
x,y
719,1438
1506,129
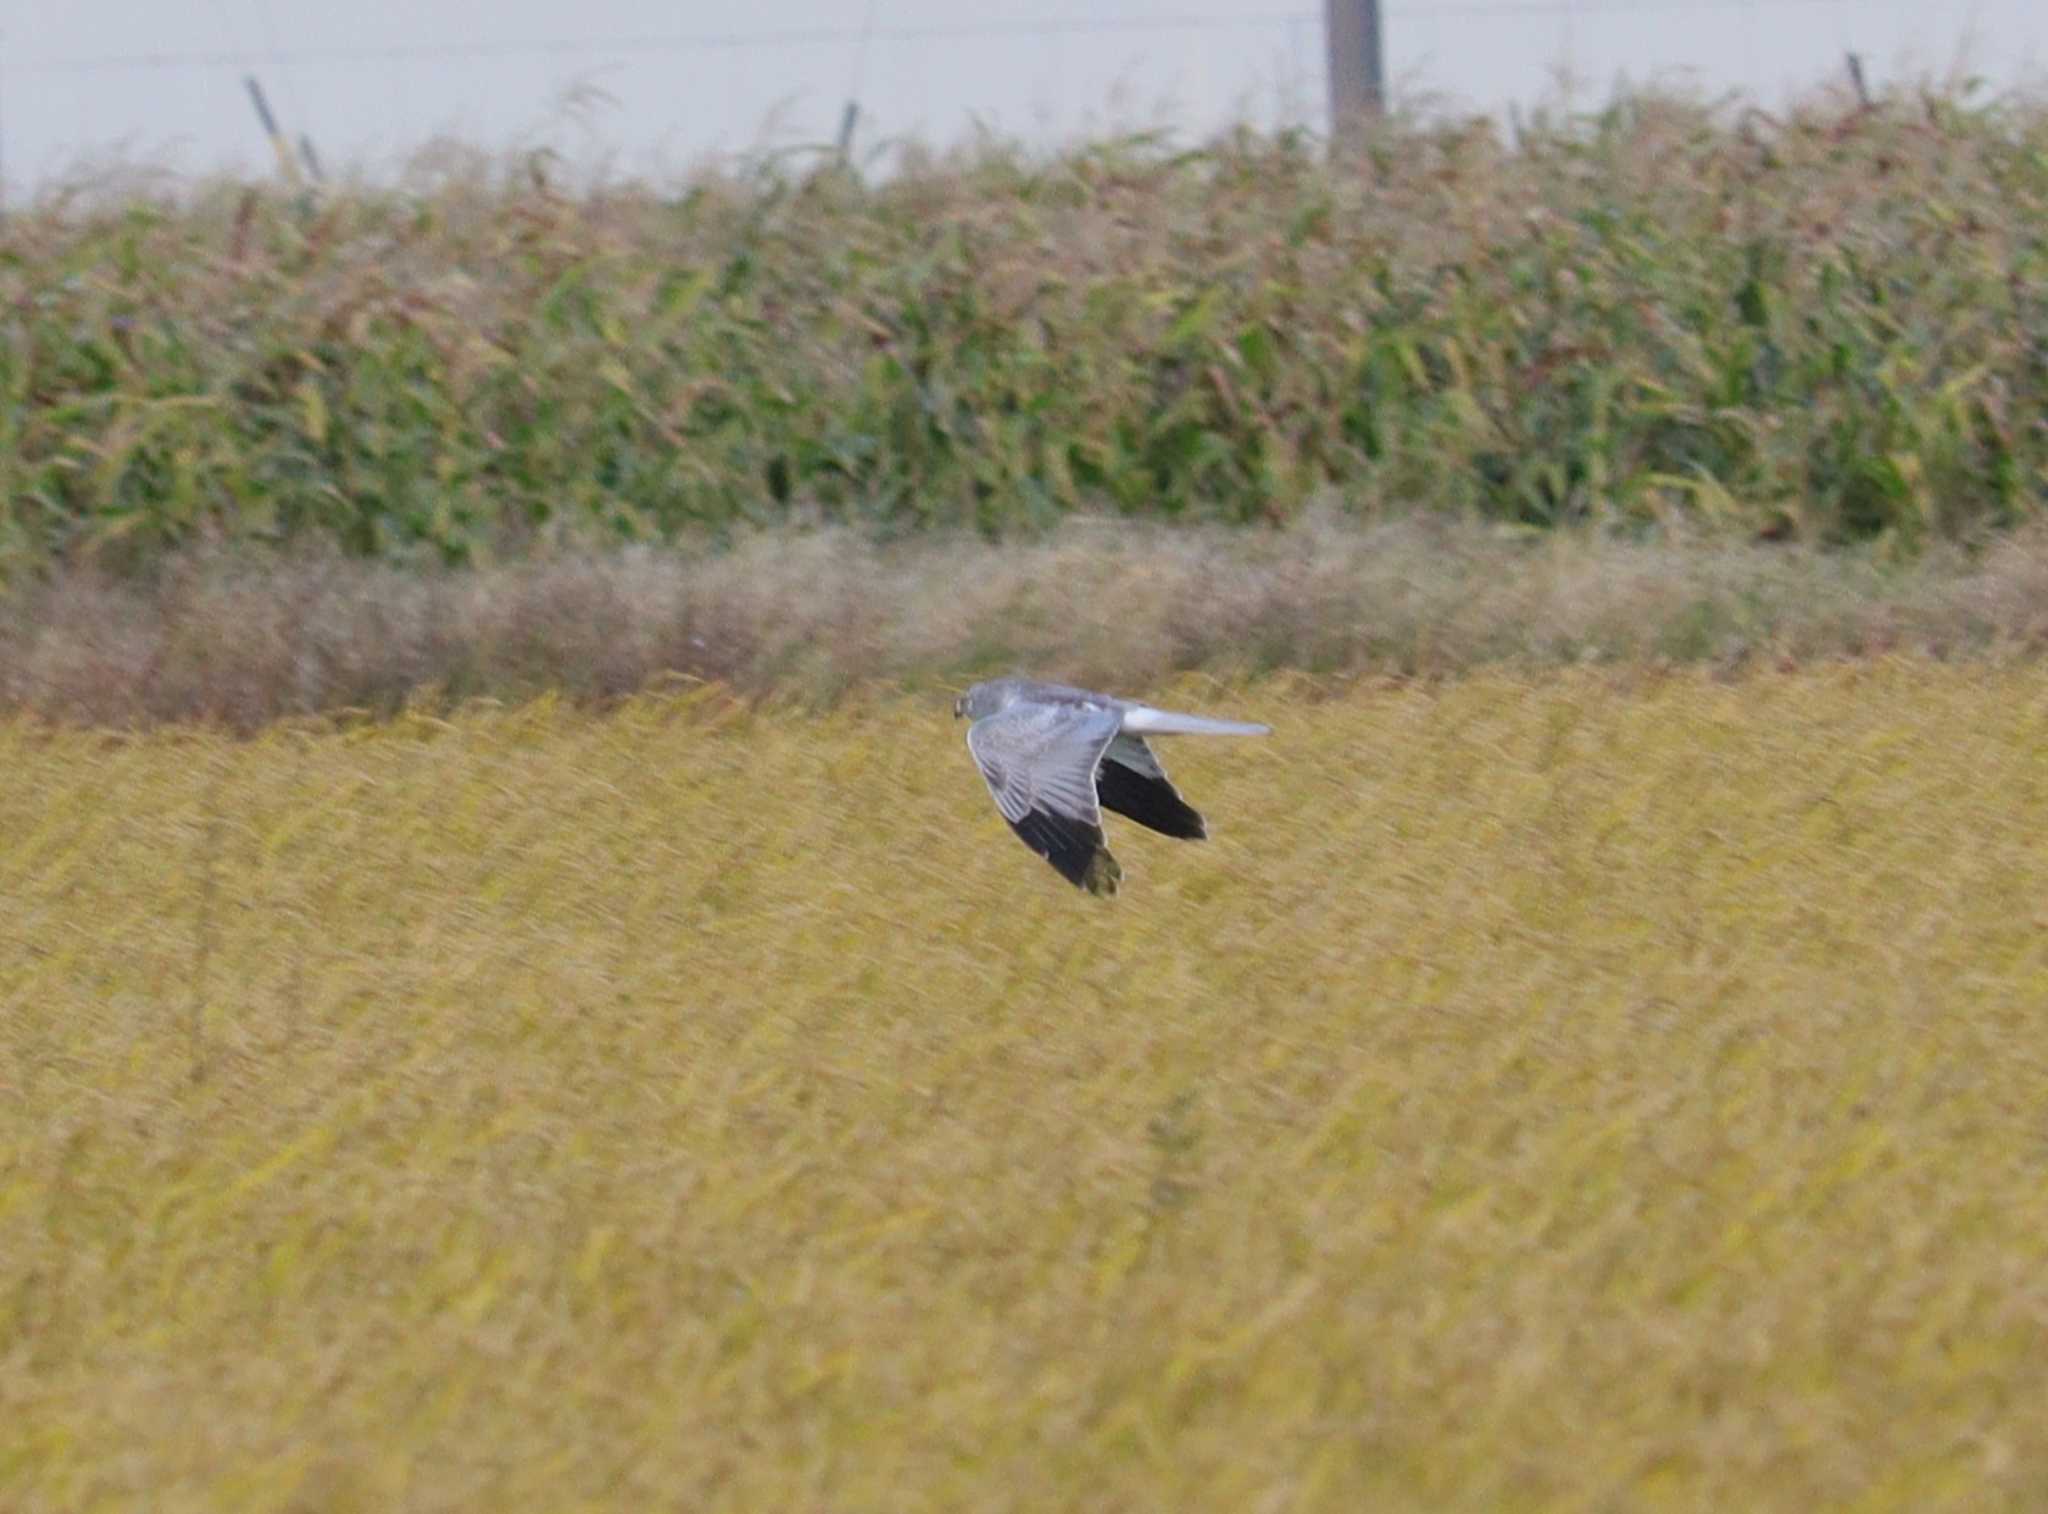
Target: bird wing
x,y
1039,762
1138,717
1131,782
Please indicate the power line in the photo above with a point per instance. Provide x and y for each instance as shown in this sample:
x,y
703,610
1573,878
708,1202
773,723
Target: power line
x,y
670,42
1497,9
661,42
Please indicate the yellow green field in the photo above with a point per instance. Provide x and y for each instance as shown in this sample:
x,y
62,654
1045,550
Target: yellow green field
x,y
1589,1092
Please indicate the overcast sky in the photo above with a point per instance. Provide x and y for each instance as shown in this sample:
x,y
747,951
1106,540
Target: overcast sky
x,y
658,85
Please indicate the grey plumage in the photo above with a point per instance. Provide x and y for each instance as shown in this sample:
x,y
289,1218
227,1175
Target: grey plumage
x,y
1055,757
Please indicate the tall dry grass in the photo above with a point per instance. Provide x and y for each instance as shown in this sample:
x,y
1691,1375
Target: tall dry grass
x,y
1539,1094
809,617
1827,325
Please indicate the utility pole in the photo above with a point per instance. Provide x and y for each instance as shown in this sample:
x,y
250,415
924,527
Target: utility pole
x,y
1358,77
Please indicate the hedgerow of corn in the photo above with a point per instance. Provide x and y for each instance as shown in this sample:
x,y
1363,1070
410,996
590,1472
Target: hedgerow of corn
x,y
1829,325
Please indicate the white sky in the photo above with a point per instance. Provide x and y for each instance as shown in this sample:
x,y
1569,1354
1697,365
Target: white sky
x,y
159,81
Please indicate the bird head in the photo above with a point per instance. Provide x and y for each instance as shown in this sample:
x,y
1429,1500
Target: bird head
x,y
985,699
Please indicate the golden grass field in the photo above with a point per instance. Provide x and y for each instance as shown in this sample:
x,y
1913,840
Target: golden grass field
x,y
1608,1091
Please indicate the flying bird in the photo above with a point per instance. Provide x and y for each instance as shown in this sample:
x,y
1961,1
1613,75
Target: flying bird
x,y
1056,757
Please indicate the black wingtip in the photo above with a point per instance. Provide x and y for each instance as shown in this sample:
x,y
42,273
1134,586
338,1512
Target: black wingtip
x,y
1076,850
1150,801
1104,875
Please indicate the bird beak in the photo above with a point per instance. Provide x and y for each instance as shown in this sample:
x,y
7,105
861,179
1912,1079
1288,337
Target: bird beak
x,y
956,709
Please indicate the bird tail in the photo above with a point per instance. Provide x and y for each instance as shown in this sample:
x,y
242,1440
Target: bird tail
x,y
1145,721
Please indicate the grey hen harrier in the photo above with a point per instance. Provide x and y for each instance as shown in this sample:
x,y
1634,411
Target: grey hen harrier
x,y
1055,758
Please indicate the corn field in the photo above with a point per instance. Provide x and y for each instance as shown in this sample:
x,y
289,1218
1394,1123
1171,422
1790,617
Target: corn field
x,y
1827,327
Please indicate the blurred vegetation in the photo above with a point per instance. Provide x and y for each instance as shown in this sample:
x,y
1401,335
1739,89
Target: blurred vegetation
x,y
1587,1092
1828,325
817,617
